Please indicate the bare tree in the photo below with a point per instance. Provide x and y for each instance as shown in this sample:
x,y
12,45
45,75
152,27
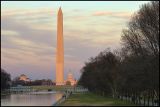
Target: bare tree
x,y
142,35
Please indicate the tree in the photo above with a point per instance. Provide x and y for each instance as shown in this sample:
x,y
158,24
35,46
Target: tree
x,y
142,35
100,74
68,83
132,71
5,80
140,66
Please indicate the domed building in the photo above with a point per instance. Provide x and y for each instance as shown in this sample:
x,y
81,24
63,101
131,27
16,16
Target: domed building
x,y
70,80
24,78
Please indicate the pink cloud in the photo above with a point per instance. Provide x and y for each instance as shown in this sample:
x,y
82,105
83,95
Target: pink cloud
x,y
102,13
113,14
27,12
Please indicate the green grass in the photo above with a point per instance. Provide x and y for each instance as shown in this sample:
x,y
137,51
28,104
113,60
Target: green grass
x,y
90,99
56,88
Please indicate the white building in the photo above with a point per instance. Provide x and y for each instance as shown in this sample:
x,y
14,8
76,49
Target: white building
x,y
24,78
70,79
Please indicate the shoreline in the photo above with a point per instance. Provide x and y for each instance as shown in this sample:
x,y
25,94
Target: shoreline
x,y
62,99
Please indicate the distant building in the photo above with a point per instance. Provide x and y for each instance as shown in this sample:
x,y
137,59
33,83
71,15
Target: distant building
x,y
70,80
24,78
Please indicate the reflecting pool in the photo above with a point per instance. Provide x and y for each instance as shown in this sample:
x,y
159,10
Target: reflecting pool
x,y
31,99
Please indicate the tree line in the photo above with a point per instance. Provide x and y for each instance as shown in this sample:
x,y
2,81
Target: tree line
x,y
5,80
16,81
132,72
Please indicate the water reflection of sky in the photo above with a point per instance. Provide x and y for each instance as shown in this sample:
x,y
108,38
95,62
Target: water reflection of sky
x,y
30,99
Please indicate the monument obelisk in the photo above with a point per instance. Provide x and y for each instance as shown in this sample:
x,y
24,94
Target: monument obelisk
x,y
60,50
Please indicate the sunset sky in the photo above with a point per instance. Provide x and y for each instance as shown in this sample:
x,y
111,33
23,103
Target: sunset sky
x,y
28,34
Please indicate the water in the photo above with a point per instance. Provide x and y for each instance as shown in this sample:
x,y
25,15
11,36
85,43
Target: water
x,y
31,99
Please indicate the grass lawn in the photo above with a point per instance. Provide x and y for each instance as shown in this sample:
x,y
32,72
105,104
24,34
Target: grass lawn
x,y
56,88
90,99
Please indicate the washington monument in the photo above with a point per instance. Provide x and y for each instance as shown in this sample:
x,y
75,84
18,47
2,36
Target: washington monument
x,y
60,50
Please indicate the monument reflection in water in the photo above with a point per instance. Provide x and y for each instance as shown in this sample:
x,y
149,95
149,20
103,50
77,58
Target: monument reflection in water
x,y
46,99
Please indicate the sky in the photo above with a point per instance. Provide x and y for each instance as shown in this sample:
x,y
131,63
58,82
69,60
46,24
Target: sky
x,y
28,34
